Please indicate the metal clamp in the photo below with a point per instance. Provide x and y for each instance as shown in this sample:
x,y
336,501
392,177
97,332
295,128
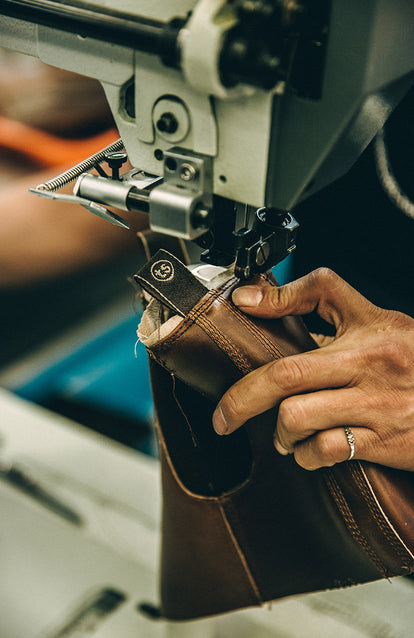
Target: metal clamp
x,y
182,205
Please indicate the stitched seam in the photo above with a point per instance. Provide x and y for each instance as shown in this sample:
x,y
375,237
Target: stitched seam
x,y
227,284
189,320
256,332
261,337
240,553
194,315
376,512
386,519
211,296
351,523
224,344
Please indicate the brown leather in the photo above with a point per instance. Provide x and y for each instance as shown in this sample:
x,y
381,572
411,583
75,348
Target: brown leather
x,y
240,345
241,524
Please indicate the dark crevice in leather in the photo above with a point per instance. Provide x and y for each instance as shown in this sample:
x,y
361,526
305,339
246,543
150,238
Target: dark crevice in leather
x,y
205,463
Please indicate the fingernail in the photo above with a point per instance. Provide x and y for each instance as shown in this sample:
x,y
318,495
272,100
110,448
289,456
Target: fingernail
x,y
279,447
219,422
247,296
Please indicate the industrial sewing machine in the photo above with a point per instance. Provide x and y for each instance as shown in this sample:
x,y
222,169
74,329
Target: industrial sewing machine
x,y
230,111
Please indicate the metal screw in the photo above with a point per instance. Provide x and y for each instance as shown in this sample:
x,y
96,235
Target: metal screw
x,y
115,159
188,172
167,123
262,254
201,217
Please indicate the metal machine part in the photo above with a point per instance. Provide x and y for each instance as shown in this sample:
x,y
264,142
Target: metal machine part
x,y
268,100
92,207
207,273
270,239
241,60
182,205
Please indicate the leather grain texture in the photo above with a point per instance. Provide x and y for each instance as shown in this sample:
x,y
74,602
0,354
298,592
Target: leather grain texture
x,y
243,525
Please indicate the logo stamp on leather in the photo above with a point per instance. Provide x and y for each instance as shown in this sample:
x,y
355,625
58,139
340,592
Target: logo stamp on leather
x,y
167,279
162,270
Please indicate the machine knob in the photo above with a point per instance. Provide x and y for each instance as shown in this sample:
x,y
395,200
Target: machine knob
x,y
115,161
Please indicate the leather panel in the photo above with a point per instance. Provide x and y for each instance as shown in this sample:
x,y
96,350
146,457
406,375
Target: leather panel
x,y
278,530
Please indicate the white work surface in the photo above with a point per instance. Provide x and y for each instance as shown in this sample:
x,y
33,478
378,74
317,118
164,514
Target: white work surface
x,y
49,567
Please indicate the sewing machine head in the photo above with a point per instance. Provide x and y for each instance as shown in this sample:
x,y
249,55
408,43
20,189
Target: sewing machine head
x,y
226,106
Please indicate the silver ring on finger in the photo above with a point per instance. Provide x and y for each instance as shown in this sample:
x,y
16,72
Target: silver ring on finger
x,y
351,442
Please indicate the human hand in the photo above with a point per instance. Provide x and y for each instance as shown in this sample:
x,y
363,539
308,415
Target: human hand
x,y
363,378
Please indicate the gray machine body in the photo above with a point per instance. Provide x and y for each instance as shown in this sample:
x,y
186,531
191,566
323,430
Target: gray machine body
x,y
268,147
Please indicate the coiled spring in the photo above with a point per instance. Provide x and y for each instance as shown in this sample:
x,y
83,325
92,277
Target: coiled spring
x,y
70,175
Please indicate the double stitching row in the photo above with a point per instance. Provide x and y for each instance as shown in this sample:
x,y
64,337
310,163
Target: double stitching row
x,y
190,319
256,332
351,523
225,344
376,513
193,315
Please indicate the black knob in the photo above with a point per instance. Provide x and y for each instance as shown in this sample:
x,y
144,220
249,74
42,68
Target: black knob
x,y
167,123
115,161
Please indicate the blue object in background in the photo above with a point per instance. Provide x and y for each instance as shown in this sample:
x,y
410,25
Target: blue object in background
x,y
284,270
109,372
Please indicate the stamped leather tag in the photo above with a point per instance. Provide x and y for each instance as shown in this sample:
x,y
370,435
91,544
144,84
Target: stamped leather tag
x,y
167,279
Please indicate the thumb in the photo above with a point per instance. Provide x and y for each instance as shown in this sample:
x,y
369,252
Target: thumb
x,y
321,290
